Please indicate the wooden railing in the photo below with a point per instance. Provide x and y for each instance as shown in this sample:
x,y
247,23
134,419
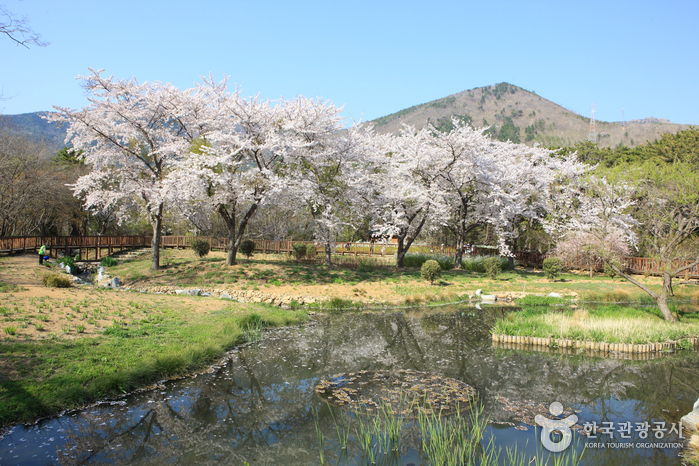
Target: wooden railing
x,y
89,247
96,247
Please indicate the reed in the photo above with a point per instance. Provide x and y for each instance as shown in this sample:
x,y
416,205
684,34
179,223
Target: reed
x,y
459,439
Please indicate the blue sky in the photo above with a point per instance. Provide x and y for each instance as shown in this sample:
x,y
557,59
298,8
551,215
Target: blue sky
x,y
373,57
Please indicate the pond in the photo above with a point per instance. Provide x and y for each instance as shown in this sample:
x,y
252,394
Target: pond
x,y
259,405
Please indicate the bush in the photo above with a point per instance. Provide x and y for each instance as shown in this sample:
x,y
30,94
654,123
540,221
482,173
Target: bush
x,y
200,247
493,266
68,261
298,250
247,247
609,271
477,263
56,281
418,259
108,262
552,267
311,251
430,271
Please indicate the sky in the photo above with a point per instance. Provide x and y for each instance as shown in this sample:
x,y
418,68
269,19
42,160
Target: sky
x,y
372,57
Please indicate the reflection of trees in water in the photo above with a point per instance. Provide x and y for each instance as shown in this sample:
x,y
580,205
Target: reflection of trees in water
x,y
257,406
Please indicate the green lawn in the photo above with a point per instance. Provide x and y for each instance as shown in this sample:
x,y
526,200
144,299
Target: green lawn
x,y
41,378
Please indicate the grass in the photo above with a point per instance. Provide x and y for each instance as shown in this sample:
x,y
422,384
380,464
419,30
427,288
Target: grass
x,y
46,376
8,288
383,438
270,272
609,323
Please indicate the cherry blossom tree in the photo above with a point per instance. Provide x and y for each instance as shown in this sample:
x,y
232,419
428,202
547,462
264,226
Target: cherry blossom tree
x,y
403,189
131,134
324,165
484,181
238,166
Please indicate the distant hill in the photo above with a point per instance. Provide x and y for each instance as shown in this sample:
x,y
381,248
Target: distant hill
x,y
522,116
35,126
512,113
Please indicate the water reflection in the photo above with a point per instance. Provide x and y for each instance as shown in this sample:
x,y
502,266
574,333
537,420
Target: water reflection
x,y
256,406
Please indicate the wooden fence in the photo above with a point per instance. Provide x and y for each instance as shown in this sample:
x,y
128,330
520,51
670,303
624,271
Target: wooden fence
x,y
96,247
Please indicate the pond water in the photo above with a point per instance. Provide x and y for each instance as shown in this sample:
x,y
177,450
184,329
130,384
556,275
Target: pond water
x,y
258,405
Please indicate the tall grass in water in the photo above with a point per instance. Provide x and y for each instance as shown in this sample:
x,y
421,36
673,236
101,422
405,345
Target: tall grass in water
x,y
459,439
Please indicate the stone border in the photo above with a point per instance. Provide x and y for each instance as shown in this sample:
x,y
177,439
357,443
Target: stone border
x,y
243,296
536,343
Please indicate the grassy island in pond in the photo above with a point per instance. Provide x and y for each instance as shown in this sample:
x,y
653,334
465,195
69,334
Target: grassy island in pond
x,y
609,323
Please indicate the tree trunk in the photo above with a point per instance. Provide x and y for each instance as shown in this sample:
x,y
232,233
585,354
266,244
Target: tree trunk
x,y
660,299
328,254
235,237
458,257
400,253
232,247
157,224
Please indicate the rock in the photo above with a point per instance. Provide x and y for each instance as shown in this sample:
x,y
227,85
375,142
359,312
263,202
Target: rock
x,y
193,292
490,298
554,295
226,296
114,283
68,269
690,421
205,293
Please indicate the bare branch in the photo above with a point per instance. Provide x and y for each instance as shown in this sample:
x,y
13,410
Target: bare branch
x,y
18,29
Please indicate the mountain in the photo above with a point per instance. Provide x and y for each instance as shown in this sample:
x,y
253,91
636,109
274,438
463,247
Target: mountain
x,y
512,113
522,116
38,128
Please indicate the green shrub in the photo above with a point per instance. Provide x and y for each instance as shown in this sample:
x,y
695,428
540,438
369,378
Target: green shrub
x,y
609,271
340,304
108,262
311,251
430,271
56,281
200,247
552,267
477,263
247,247
493,266
298,250
68,261
418,259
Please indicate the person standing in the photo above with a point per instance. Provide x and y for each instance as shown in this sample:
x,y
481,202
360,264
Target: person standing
x,y
42,251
